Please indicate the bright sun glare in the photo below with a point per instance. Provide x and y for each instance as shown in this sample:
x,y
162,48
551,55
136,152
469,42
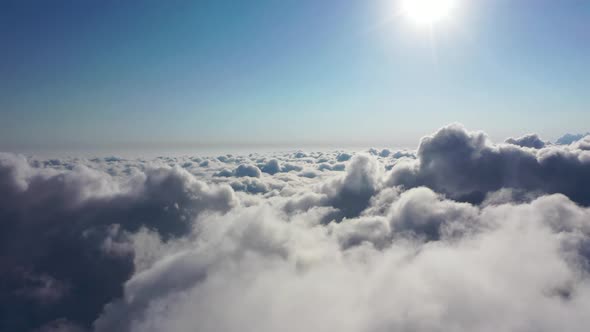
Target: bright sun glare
x,y
427,12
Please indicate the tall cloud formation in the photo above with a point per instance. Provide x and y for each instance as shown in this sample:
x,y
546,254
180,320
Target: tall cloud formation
x,y
450,238
467,166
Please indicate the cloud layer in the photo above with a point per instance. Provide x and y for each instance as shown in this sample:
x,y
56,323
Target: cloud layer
x,y
461,235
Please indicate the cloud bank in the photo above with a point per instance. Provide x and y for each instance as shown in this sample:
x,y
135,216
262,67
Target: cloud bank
x,y
460,235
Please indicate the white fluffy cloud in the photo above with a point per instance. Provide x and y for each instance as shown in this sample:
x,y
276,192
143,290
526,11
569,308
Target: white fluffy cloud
x,y
463,235
255,269
527,141
467,166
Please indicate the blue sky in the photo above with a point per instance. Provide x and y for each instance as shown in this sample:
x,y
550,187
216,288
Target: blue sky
x,y
340,72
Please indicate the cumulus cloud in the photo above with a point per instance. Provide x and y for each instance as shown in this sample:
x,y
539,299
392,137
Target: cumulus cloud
x,y
243,170
454,235
524,263
273,166
343,156
582,144
466,166
527,141
353,192
250,185
330,167
391,153
54,226
570,138
300,154
247,170
349,193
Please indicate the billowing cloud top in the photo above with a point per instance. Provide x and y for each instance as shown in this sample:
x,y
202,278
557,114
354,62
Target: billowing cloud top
x,y
528,141
467,166
460,235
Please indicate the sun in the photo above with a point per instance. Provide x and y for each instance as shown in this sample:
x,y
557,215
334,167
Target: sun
x,y
427,12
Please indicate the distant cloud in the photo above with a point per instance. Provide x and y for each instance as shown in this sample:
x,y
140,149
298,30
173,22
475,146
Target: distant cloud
x,y
527,141
570,138
250,185
247,170
243,170
273,166
343,157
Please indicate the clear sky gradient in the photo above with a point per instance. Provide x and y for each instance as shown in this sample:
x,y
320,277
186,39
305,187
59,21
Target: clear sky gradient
x,y
291,72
